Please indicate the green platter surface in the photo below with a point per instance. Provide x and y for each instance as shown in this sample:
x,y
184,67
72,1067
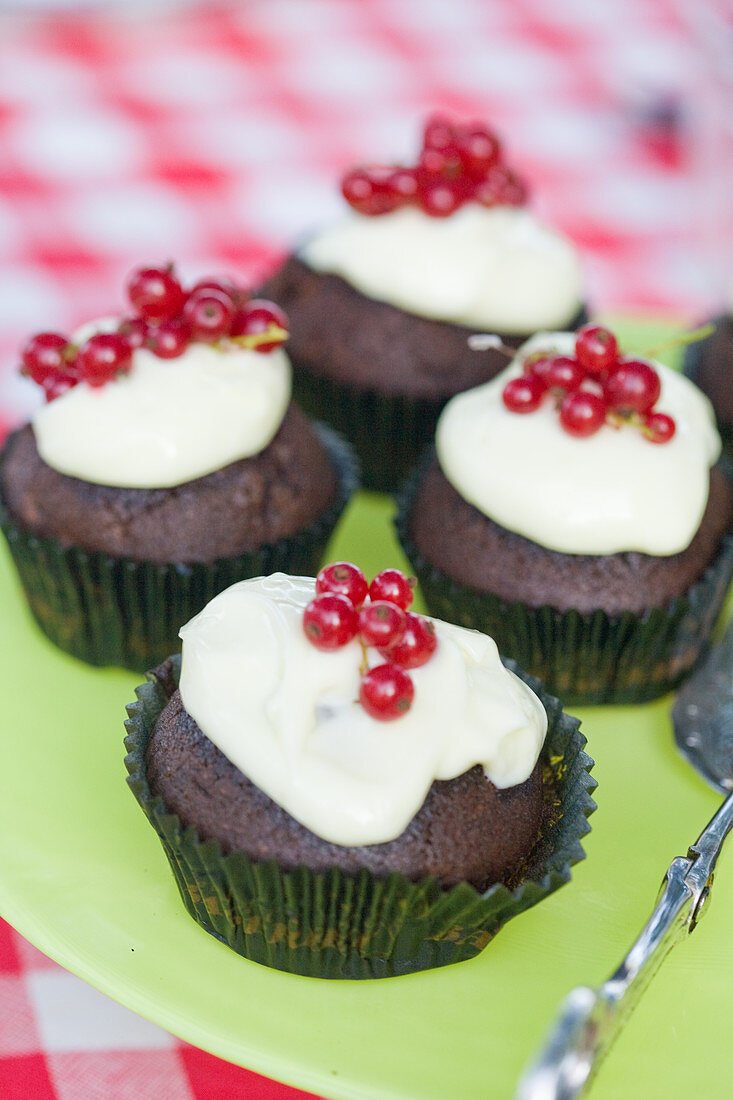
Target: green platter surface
x,y
84,878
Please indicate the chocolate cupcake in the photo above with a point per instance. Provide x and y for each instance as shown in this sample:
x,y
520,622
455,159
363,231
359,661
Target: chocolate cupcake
x,y
141,490
382,842
596,551
381,305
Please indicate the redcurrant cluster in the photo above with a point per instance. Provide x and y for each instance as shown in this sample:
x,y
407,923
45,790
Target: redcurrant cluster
x,y
594,387
166,318
457,164
346,607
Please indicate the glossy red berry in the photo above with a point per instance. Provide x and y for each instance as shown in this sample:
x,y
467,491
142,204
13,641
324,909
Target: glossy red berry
x,y
381,624
658,427
393,586
155,293
539,365
438,132
386,692
103,356
345,579
256,318
596,348
402,182
169,339
439,199
135,331
417,644
582,413
479,150
44,356
632,386
209,315
236,294
330,621
524,394
563,373
500,186
369,192
58,385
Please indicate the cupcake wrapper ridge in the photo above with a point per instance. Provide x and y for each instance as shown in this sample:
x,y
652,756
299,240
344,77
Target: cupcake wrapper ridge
x,y
108,610
585,658
334,925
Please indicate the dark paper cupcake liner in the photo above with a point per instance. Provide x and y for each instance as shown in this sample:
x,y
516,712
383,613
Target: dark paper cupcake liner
x,y
334,925
585,658
109,610
389,432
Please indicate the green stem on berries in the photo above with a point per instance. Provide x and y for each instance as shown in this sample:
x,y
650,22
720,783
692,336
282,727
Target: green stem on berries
x,y
682,340
251,341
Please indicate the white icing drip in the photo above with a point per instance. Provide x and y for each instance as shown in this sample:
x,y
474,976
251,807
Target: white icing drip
x,y
167,421
286,714
490,268
613,491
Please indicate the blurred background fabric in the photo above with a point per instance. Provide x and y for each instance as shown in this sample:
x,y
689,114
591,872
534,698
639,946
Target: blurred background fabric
x,y
214,135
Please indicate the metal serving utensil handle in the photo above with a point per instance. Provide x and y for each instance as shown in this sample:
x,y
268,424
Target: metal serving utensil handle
x,y
589,1020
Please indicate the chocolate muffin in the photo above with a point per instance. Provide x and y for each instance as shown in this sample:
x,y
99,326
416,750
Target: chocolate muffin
x,y
241,507
569,549
314,833
467,830
167,462
382,304
474,550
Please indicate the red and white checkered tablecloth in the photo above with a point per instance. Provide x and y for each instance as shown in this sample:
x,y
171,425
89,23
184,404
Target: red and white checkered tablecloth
x,y
214,135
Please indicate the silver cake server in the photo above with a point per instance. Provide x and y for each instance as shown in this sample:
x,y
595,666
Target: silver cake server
x,y
590,1019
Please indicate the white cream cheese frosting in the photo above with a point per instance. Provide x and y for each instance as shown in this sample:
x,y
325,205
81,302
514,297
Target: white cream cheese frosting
x,y
495,268
287,714
167,421
611,492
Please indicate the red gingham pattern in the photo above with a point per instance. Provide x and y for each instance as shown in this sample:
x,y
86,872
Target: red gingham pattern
x,y
215,134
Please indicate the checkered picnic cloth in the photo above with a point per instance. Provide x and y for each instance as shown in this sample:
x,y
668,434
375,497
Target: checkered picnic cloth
x,y
215,135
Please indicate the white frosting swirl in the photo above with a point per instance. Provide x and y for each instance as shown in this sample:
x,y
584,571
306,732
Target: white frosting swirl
x,y
286,714
168,420
614,491
495,268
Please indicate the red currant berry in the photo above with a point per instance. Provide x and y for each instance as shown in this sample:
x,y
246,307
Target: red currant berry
x,y
596,348
564,373
209,315
256,318
393,586
368,191
438,133
443,164
135,331
632,386
56,387
169,339
45,356
386,692
500,186
479,150
539,365
345,579
103,356
524,394
417,644
402,182
236,294
330,621
439,199
155,293
381,624
582,413
658,427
